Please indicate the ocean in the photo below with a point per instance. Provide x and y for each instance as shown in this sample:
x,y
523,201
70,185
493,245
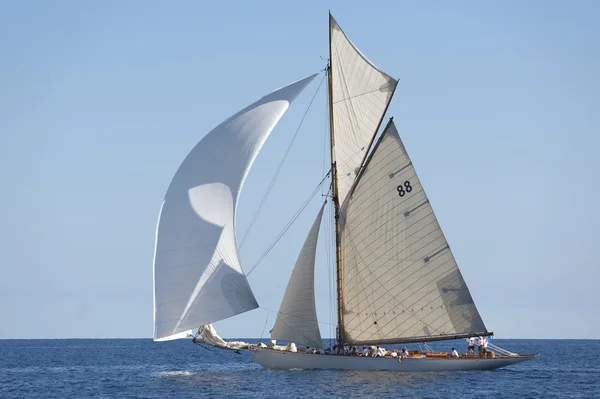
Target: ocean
x,y
141,368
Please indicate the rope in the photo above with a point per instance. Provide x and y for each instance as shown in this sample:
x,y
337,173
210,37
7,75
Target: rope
x,y
264,199
501,350
264,327
202,345
289,224
295,315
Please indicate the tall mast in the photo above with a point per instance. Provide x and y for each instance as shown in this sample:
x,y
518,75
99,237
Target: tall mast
x,y
336,203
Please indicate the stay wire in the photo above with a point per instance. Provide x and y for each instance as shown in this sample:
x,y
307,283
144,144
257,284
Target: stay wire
x,y
264,199
293,314
264,327
289,224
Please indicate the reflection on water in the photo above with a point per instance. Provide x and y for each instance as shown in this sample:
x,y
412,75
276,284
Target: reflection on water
x,y
314,383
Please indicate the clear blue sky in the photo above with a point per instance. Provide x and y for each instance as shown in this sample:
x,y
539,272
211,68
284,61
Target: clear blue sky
x,y
100,101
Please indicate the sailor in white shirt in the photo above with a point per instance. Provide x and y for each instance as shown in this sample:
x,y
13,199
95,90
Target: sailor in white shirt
x,y
471,345
394,354
379,352
366,352
480,345
455,353
402,355
485,346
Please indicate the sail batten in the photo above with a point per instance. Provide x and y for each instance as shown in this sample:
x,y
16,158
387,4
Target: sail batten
x,y
401,280
297,317
198,278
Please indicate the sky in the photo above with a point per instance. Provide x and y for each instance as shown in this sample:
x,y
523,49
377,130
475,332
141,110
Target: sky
x,y
100,101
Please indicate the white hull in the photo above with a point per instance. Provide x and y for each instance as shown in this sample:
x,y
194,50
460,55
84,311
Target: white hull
x,y
273,359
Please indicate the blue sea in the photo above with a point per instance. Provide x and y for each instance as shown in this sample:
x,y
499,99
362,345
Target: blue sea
x,y
141,368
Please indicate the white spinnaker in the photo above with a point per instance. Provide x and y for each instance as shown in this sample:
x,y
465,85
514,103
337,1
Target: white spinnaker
x,y
400,279
297,317
361,94
198,278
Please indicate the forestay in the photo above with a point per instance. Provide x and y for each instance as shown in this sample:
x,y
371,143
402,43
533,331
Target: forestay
x,y
400,279
360,95
198,278
297,317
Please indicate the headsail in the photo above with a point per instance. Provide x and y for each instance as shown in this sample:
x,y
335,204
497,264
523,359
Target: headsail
x,y
297,317
400,278
198,278
361,94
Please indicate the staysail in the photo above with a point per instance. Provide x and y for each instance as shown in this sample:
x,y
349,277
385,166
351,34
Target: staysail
x,y
198,278
400,279
297,317
360,96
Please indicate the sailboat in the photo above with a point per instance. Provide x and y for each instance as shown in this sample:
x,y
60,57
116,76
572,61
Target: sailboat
x,y
397,280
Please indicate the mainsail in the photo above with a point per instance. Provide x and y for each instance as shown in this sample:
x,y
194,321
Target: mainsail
x,y
297,317
360,95
198,278
401,282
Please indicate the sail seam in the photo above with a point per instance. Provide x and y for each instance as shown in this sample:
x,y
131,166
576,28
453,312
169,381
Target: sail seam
x,y
364,94
410,265
374,311
193,314
390,239
420,319
408,329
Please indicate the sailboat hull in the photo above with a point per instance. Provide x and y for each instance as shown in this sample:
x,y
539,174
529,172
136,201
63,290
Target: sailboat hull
x,y
274,359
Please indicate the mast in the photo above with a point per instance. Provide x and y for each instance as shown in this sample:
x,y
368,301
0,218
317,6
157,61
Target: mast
x,y
336,203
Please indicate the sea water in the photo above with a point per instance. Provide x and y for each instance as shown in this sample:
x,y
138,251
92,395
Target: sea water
x,y
141,368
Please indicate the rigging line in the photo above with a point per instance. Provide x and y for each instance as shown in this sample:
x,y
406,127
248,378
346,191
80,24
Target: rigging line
x,y
265,326
295,315
289,224
202,345
264,199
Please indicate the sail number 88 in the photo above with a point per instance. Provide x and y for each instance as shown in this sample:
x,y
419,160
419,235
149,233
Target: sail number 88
x,y
404,188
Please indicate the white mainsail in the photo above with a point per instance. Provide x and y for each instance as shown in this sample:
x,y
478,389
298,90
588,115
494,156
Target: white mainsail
x,y
400,279
297,317
198,278
360,96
